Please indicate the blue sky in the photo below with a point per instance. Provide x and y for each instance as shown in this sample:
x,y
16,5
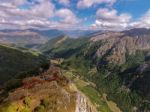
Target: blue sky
x,y
75,14
135,7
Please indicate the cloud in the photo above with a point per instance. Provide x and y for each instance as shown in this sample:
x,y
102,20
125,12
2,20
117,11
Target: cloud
x,y
39,13
42,10
110,19
143,22
67,16
12,2
44,14
146,18
89,3
64,2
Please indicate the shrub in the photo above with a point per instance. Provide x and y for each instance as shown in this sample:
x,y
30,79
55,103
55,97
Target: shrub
x,y
27,101
45,103
40,109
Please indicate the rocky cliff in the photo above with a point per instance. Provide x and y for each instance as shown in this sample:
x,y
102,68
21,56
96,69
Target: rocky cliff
x,y
83,104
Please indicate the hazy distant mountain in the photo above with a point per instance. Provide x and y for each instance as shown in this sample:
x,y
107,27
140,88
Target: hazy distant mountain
x,y
33,38
78,33
29,36
51,33
137,32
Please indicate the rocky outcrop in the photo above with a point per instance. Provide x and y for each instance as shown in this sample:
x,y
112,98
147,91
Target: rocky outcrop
x,y
83,104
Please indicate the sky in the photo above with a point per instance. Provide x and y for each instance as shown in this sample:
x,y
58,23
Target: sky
x,y
75,14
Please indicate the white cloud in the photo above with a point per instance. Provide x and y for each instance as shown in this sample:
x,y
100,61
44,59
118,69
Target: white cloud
x,y
12,2
142,22
44,9
67,16
64,2
38,15
146,18
41,13
110,19
89,3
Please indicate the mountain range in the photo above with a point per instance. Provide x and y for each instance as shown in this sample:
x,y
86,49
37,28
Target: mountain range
x,y
30,37
110,70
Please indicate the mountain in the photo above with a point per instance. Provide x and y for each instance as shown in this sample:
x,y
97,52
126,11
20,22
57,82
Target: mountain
x,y
58,93
14,63
116,62
137,32
50,33
34,38
65,42
28,38
78,33
102,72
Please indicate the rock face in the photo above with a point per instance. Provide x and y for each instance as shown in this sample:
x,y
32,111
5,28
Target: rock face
x,y
83,104
117,45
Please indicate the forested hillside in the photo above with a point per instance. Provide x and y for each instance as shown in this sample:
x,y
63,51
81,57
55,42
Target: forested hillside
x,y
14,62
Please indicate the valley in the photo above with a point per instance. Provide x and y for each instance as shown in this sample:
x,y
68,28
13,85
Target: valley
x,y
74,55
112,62
101,72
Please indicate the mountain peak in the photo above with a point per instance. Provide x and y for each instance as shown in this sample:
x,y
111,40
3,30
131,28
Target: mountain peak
x,y
137,32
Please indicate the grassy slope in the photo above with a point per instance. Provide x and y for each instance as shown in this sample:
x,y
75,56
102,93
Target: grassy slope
x,y
62,46
14,61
